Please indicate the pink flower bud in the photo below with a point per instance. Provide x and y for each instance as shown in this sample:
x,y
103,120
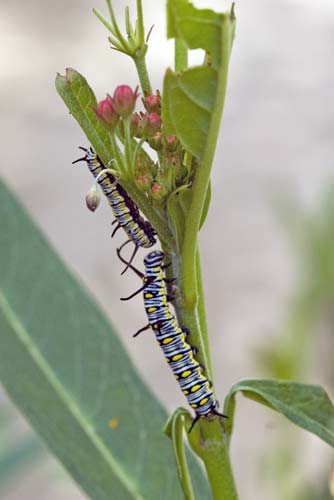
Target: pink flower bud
x,y
106,113
151,124
143,172
124,100
93,198
152,103
171,142
158,191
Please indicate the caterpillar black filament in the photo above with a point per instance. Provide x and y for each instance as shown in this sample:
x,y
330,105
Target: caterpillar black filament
x,y
126,212
172,339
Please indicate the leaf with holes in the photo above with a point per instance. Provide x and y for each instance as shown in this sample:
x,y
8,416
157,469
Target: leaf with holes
x,y
197,92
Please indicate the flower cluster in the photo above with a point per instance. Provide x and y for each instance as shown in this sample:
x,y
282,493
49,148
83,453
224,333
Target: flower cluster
x,y
117,113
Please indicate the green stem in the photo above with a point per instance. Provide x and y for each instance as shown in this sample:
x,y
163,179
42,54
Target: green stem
x,y
140,24
144,78
117,154
201,311
208,442
116,29
127,146
202,179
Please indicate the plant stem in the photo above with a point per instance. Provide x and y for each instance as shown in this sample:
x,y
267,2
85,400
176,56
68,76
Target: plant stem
x,y
202,311
217,462
202,179
140,62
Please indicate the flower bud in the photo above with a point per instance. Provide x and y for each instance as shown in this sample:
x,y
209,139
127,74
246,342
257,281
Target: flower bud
x,y
106,113
156,141
151,124
142,173
171,142
93,198
135,125
124,100
158,191
152,103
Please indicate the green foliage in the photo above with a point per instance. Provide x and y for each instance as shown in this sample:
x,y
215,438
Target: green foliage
x,y
197,91
308,406
80,100
72,378
174,429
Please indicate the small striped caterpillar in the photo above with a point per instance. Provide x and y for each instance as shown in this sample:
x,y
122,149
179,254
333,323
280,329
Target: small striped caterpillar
x,y
172,339
126,212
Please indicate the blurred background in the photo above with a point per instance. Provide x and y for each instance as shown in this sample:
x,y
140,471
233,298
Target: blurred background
x,y
267,245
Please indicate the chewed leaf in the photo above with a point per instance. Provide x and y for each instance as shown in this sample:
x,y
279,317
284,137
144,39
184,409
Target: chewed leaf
x,y
308,406
197,92
186,22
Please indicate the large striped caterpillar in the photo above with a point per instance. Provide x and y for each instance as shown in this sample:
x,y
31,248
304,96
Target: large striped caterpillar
x,y
126,212
172,339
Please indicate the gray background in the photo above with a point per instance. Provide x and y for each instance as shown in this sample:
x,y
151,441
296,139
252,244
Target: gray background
x,y
276,139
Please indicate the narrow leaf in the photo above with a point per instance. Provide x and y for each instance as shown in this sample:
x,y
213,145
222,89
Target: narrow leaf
x,y
174,429
308,406
66,370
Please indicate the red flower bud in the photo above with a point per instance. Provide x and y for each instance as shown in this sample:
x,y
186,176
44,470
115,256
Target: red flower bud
x,y
93,198
152,103
106,113
124,100
171,142
151,124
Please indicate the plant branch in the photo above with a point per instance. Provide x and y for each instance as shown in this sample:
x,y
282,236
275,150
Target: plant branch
x,y
202,179
140,62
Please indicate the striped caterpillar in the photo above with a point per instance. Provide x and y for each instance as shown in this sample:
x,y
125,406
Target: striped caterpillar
x,y
172,339
126,212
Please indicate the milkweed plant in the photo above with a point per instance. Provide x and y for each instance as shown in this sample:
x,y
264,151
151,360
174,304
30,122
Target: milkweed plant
x,y
151,152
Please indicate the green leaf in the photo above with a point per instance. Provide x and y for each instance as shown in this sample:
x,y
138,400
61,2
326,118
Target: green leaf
x,y
308,406
197,92
174,429
206,207
178,204
66,370
80,100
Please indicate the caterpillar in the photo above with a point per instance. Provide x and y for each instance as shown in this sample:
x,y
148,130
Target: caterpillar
x,y
126,212
172,339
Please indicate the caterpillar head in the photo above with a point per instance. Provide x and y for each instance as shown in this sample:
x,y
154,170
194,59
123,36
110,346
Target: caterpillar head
x,y
154,259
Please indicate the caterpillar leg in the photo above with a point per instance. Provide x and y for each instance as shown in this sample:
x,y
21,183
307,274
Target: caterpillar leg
x,y
131,259
138,291
116,229
196,419
141,330
80,159
138,273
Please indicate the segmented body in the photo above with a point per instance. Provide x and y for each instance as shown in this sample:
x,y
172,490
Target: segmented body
x,y
172,339
126,212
